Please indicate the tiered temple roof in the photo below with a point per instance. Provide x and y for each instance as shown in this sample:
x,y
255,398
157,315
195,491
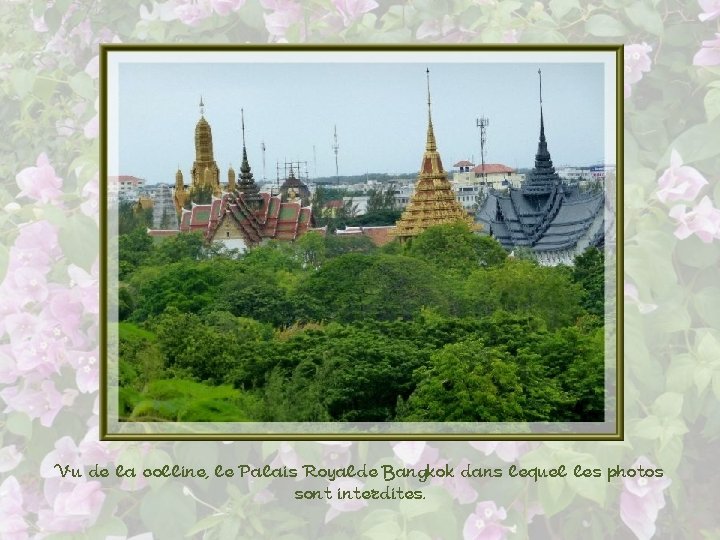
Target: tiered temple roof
x,y
434,202
554,220
239,216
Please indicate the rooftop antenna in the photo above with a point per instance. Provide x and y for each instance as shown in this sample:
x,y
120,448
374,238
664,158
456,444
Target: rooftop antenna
x,y
336,147
482,123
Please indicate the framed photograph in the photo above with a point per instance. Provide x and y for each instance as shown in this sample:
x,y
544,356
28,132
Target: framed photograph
x,y
371,242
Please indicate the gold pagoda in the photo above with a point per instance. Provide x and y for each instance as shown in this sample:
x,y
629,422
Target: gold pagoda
x,y
434,201
205,173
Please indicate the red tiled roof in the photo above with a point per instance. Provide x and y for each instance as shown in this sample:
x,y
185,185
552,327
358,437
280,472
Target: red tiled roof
x,y
491,168
379,235
464,163
335,203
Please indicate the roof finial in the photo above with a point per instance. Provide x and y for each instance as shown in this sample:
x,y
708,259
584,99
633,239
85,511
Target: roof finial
x,y
242,120
542,122
202,107
540,76
430,145
427,74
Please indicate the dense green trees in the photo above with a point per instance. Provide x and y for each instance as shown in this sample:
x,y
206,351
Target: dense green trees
x,y
443,328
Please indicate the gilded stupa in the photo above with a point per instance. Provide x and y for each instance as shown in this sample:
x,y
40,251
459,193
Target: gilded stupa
x,y
434,201
205,172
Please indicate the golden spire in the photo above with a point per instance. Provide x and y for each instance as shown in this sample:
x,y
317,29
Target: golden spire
x,y
430,146
434,202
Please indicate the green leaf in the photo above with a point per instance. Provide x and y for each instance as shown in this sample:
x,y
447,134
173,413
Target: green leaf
x,y
700,142
82,84
560,8
648,428
695,253
669,455
22,81
79,241
383,531
20,424
168,512
706,303
668,405
679,375
207,523
554,495
645,17
604,26
712,104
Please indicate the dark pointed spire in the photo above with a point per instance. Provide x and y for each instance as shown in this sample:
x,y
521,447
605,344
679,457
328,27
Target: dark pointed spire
x,y
543,178
542,122
246,182
202,107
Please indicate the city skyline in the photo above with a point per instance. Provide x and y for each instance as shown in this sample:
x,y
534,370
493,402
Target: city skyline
x,y
380,111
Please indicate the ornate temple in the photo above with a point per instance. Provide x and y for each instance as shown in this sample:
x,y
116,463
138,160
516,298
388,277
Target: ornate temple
x,y
434,202
555,220
237,215
294,188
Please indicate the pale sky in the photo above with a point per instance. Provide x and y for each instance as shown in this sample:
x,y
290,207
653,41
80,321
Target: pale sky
x,y
380,111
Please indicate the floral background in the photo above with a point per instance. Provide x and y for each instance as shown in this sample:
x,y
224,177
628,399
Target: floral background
x,y
49,290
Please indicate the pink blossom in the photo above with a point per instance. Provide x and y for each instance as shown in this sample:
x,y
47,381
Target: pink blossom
x,y
65,312
9,458
93,67
285,13
91,194
511,36
339,506
94,451
30,284
443,30
633,297
161,11
484,523
74,505
703,221
711,9
508,451
37,401
353,9
679,182
709,55
637,62
336,453
286,456
65,453
431,28
458,487
39,236
87,374
192,13
9,371
224,7
416,453
86,286
39,24
641,500
12,523
39,182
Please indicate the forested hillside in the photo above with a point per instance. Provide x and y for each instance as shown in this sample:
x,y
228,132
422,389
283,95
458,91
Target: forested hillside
x,y
446,328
